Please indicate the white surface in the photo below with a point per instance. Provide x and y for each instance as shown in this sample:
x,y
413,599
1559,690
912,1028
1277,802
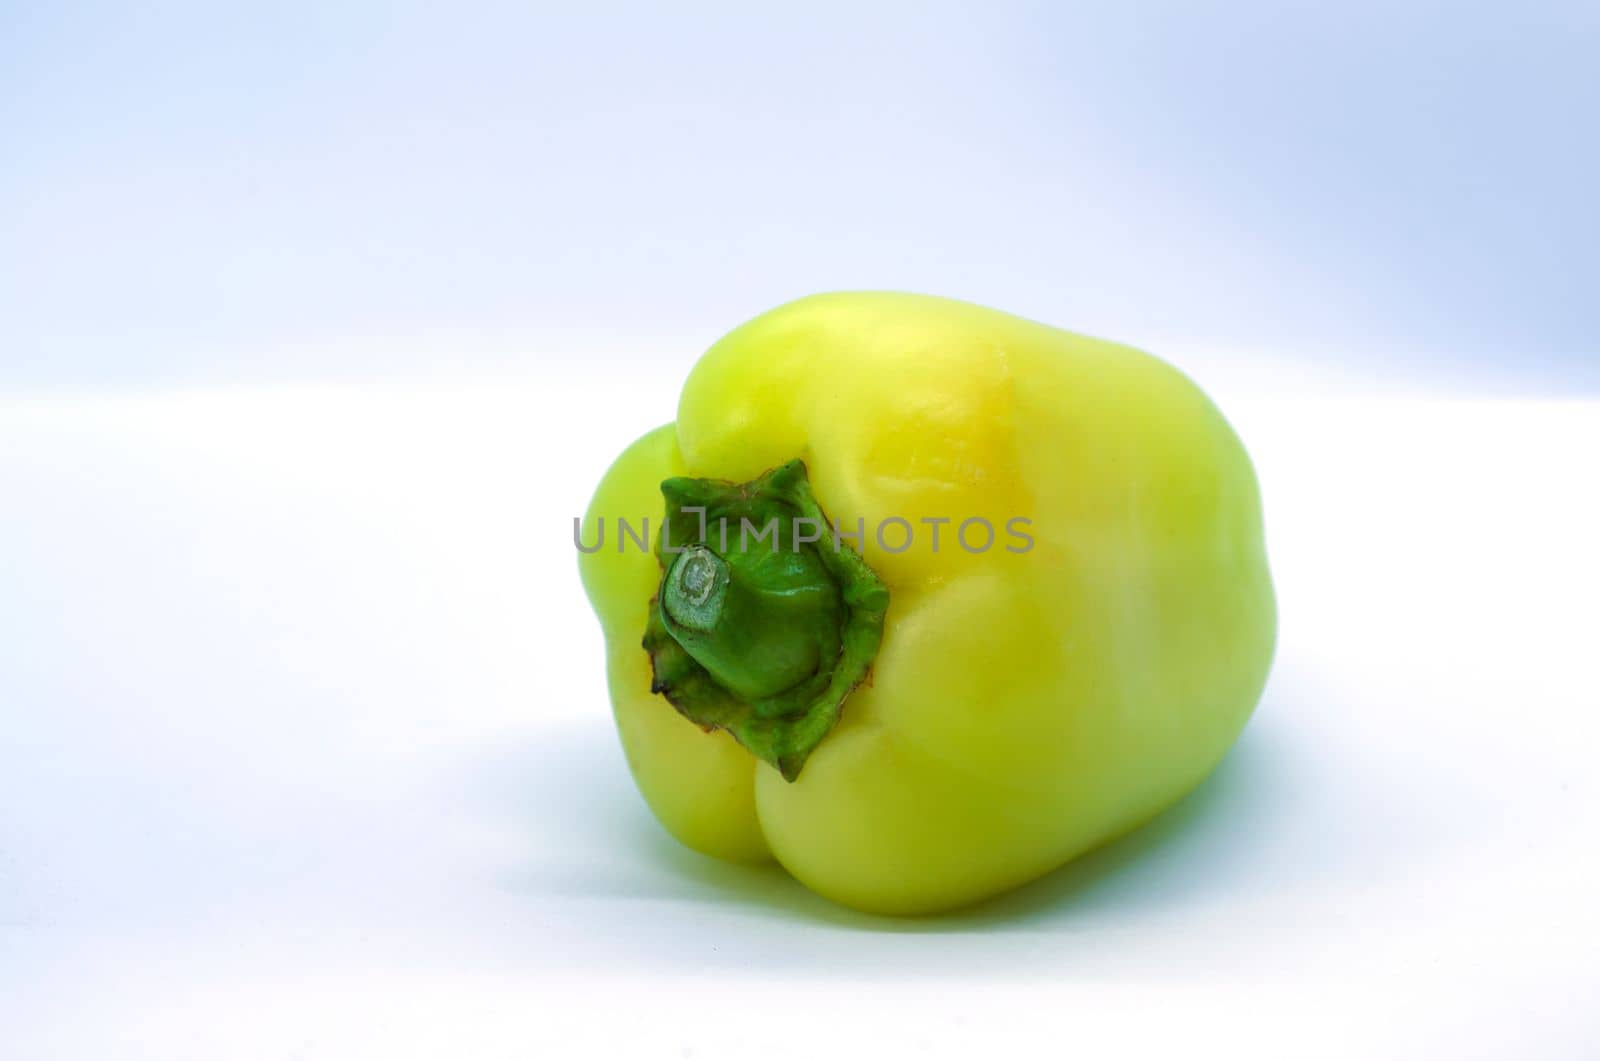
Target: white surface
x,y
306,753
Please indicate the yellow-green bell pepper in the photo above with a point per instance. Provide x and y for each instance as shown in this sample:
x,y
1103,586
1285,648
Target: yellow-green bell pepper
x,y
1038,611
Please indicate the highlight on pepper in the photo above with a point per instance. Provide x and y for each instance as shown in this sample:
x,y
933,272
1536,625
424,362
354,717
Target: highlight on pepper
x,y
912,723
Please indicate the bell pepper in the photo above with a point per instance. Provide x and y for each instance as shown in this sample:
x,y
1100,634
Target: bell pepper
x,y
923,600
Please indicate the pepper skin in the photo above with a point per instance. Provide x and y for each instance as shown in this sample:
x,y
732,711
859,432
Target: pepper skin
x,y
1021,705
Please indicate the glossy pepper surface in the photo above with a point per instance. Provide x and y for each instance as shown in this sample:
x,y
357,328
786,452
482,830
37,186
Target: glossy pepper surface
x,y
917,713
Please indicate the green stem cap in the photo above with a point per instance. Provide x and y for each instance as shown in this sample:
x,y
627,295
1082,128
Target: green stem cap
x,y
765,621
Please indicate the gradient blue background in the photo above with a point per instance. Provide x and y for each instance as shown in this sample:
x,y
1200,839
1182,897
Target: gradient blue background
x,y
194,194
320,323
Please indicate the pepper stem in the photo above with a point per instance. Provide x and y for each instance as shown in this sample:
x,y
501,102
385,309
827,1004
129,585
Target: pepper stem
x,y
693,591
766,634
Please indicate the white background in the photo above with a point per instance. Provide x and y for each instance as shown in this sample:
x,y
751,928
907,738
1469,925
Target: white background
x,y
317,327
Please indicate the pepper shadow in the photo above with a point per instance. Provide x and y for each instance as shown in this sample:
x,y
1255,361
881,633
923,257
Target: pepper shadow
x,y
587,835
1210,846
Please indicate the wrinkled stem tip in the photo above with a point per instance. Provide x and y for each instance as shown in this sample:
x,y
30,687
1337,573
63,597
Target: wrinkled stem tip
x,y
694,588
697,575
